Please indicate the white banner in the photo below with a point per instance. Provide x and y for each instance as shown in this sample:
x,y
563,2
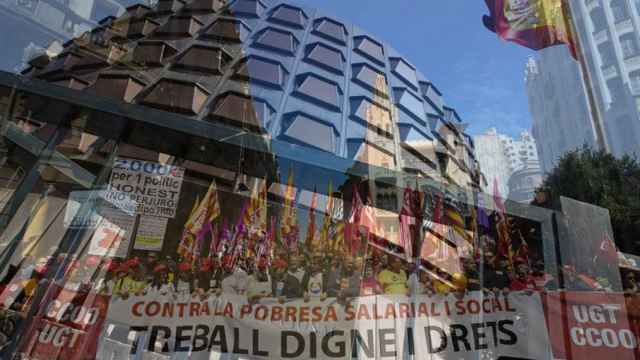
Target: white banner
x,y
376,327
153,187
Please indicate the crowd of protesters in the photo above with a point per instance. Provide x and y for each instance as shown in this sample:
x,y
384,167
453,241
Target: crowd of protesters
x,y
292,276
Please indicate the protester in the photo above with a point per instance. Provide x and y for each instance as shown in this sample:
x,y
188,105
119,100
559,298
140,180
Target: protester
x,y
523,280
420,283
184,283
629,283
470,269
351,278
542,279
278,275
334,272
293,279
440,287
259,284
370,285
161,284
393,279
496,273
235,278
314,281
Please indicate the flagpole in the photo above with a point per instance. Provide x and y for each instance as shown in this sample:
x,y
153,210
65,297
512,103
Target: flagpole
x,y
596,116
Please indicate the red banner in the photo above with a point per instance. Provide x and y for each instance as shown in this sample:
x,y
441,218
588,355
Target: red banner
x,y
589,325
68,326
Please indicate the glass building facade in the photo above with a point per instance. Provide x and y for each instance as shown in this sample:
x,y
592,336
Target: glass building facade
x,y
252,179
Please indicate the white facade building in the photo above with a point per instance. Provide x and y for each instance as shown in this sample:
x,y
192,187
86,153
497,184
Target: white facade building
x,y
501,157
558,105
609,34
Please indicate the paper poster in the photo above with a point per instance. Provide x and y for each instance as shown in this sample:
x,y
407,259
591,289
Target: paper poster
x,y
113,233
150,234
153,188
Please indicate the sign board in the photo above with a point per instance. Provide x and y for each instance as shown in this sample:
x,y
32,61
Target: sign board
x,y
153,188
151,232
113,233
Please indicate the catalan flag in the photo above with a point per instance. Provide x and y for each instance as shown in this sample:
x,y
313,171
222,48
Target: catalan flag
x,y
289,223
327,219
536,24
197,225
311,227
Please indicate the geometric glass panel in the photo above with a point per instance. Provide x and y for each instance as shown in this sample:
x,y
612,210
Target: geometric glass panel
x,y
331,30
204,59
373,114
229,30
405,71
278,40
247,8
304,128
262,70
289,15
410,103
320,90
326,57
370,48
242,111
370,78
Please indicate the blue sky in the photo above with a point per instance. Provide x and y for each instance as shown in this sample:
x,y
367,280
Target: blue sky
x,y
480,75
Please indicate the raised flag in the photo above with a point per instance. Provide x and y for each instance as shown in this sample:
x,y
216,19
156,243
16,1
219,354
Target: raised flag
x,y
535,24
289,224
407,222
311,227
327,220
196,227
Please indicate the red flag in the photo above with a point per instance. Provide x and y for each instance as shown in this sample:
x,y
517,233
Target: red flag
x,y
356,206
535,24
407,219
311,227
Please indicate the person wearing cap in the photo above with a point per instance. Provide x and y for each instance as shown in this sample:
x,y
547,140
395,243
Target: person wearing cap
x,y
160,284
523,281
205,273
278,273
542,278
259,284
136,281
184,281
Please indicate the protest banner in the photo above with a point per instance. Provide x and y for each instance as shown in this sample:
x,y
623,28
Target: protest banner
x,y
67,327
374,327
154,188
589,325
